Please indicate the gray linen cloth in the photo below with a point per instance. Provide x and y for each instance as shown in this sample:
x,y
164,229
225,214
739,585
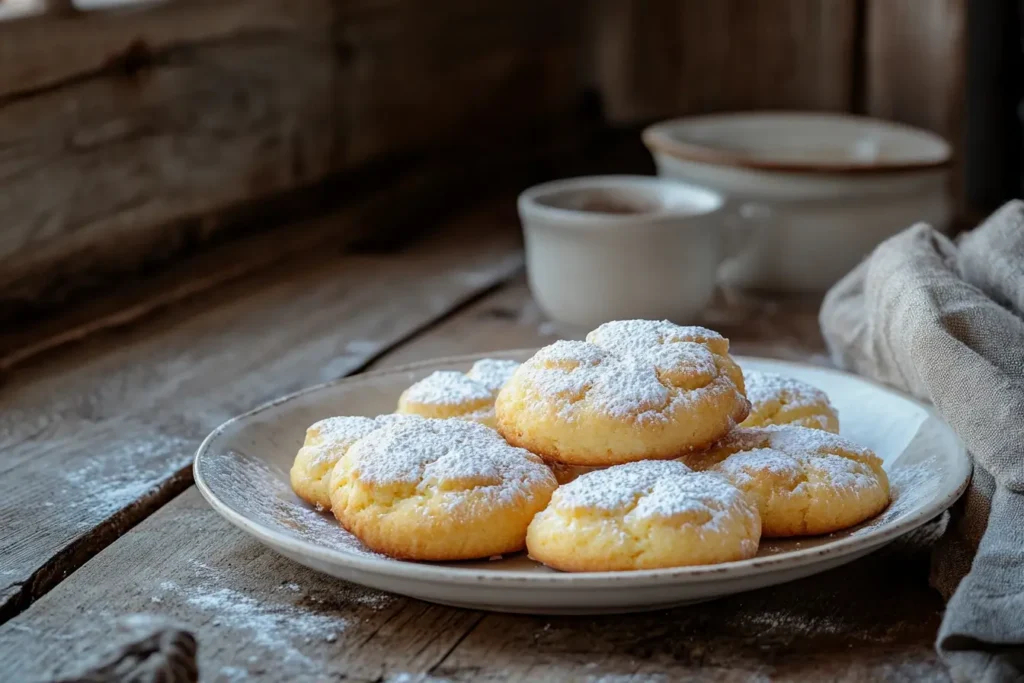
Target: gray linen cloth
x,y
943,321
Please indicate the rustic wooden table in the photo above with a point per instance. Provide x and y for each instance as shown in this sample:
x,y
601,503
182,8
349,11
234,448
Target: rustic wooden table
x,y
100,414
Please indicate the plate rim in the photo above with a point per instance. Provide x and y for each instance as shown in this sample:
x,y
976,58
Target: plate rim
x,y
449,574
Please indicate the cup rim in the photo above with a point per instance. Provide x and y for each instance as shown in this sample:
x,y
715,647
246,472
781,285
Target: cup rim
x,y
658,138
529,200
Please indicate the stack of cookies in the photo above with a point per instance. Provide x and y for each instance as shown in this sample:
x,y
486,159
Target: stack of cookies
x,y
643,447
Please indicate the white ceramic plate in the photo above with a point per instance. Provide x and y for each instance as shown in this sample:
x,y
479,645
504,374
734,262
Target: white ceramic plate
x,y
242,470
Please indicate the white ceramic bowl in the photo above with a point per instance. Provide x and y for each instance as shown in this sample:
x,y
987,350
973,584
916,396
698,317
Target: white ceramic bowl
x,y
836,185
602,248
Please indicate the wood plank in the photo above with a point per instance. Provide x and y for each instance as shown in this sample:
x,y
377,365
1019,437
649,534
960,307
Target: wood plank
x,y
105,172
916,63
109,425
784,328
92,42
128,144
670,58
815,629
259,616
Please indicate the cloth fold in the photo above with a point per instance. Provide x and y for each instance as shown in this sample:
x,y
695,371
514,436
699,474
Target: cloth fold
x,y
943,321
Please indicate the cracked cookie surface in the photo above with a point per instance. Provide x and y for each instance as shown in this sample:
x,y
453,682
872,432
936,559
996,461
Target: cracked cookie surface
x,y
430,489
451,394
777,400
644,515
326,441
634,390
804,481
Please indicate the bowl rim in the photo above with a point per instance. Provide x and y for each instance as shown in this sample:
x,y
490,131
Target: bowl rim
x,y
658,138
531,205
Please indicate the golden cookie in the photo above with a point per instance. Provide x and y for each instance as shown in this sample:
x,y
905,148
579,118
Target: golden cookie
x,y
644,515
450,394
776,400
432,489
804,481
635,390
326,441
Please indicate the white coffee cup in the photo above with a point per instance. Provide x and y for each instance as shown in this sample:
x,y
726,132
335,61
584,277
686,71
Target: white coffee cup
x,y
602,248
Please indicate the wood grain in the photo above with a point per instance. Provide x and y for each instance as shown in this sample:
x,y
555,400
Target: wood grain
x,y
259,616
670,58
784,328
915,62
128,144
916,55
102,433
94,43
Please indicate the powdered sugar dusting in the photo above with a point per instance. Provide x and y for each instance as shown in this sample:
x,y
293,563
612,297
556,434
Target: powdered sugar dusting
x,y
272,621
694,494
794,454
664,345
451,388
492,373
616,488
340,428
330,438
841,473
639,337
130,470
273,626
447,388
427,451
633,369
574,370
793,439
649,489
763,387
264,495
909,487
774,463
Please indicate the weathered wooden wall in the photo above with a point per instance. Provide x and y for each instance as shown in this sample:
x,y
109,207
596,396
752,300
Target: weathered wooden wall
x,y
661,58
129,136
126,137
914,69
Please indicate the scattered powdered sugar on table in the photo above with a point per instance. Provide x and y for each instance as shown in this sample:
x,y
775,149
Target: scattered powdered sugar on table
x,y
273,626
129,471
